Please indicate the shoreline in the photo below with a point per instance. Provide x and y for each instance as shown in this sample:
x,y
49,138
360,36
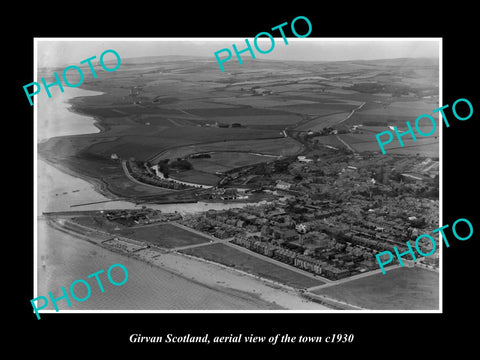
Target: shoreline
x,y
97,121
98,185
214,276
101,188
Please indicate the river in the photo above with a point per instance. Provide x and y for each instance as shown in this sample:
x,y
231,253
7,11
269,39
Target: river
x,y
62,258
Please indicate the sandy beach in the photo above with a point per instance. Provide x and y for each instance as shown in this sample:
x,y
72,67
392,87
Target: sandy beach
x,y
227,279
265,294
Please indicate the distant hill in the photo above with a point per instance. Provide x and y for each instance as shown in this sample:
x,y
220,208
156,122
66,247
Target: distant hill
x,y
397,62
164,58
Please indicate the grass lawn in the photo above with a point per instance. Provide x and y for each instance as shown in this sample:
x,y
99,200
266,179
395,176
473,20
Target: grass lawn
x,y
196,177
164,235
398,289
222,161
97,222
229,256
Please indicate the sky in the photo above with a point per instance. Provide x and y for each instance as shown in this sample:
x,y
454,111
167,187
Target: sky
x,y
53,52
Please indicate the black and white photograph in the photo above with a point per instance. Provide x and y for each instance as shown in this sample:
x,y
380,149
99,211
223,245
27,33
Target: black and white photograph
x,y
207,179
222,185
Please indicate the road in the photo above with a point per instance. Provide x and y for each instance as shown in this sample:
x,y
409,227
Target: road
x,y
352,112
227,242
213,240
344,143
351,278
279,263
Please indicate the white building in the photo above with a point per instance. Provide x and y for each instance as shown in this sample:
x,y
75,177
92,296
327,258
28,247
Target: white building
x,y
304,159
282,185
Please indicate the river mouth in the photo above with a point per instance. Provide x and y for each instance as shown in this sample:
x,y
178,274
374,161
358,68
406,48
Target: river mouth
x,y
58,188
62,258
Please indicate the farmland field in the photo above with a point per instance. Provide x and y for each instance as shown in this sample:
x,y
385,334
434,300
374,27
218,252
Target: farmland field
x,y
395,113
160,107
330,140
222,161
274,120
264,101
191,105
276,147
323,122
425,146
233,111
143,147
318,109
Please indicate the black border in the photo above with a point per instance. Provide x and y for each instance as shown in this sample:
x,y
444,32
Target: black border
x,y
398,332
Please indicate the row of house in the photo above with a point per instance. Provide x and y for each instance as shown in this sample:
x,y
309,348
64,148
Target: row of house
x,y
291,257
133,216
143,176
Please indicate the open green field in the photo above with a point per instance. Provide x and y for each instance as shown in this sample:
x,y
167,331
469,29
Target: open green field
x,y
196,177
164,235
318,109
323,121
193,105
223,161
393,111
330,140
263,101
146,145
424,146
251,120
399,289
97,222
234,111
276,147
229,256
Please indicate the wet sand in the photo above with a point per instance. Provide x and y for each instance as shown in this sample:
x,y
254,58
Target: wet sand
x,y
222,277
250,292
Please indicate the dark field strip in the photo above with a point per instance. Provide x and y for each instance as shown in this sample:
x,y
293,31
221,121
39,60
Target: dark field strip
x,y
229,256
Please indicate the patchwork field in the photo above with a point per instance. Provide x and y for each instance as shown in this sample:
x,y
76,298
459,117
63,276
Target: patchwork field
x,y
278,121
155,108
262,101
146,146
387,112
